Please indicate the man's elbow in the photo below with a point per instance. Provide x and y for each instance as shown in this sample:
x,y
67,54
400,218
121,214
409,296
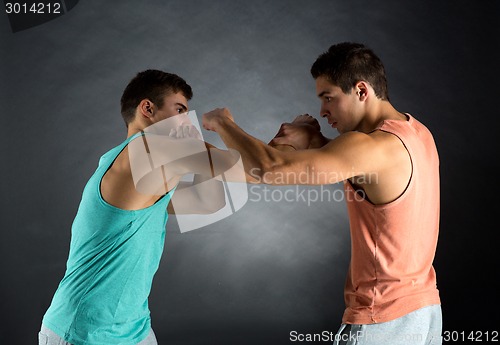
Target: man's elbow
x,y
215,205
212,200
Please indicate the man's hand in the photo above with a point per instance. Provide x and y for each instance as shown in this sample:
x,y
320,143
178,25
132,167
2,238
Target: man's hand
x,y
303,133
214,118
307,119
185,131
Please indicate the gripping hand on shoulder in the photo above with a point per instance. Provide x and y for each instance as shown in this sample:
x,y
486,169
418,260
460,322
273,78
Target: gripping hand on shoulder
x,y
304,132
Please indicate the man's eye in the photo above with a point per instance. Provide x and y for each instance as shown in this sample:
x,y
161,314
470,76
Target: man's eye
x,y
180,110
328,99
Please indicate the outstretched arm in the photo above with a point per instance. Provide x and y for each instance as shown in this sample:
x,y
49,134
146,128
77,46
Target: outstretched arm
x,y
350,154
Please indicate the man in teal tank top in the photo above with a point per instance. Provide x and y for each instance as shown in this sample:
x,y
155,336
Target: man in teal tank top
x,y
117,236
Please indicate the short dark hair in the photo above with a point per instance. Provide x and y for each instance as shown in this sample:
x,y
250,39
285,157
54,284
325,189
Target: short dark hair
x,y
345,64
153,85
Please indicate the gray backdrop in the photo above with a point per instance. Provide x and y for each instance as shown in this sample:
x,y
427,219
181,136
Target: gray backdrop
x,y
274,266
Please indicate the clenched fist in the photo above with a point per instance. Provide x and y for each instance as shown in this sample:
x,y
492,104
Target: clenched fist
x,y
214,118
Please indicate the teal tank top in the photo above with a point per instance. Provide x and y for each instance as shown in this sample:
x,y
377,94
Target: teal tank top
x,y
114,254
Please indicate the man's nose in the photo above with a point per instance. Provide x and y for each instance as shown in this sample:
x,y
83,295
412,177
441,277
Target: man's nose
x,y
322,111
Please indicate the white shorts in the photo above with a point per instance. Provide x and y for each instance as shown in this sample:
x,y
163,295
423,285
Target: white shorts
x,y
420,327
47,337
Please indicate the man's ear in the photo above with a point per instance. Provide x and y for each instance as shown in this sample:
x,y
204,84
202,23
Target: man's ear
x,y
146,108
361,88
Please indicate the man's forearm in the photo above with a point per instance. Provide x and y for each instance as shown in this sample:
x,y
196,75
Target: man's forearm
x,y
257,156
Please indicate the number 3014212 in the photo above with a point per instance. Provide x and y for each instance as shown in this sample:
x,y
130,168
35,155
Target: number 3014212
x,y
32,8
452,336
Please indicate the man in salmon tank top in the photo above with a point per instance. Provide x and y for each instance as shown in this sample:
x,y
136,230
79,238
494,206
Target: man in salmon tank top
x,y
389,165
118,234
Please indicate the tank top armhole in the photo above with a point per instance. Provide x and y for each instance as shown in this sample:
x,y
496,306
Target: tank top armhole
x,y
411,179
106,168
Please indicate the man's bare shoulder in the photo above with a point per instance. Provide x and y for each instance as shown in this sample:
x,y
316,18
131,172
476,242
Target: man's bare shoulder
x,y
389,144
378,141
118,189
354,142
373,152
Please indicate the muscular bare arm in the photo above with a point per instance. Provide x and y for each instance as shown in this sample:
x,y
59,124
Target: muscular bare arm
x,y
352,154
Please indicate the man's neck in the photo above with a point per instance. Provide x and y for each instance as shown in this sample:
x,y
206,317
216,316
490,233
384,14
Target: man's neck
x,y
132,129
378,112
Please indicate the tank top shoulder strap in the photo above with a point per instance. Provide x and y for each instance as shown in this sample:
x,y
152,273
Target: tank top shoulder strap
x,y
397,127
132,137
109,157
